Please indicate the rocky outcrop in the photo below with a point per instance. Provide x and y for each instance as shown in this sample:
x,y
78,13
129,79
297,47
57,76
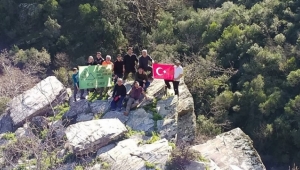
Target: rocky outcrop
x,y
127,155
89,136
34,102
232,150
186,118
140,120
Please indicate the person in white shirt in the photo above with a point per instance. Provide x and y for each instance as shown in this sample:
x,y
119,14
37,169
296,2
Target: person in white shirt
x,y
178,73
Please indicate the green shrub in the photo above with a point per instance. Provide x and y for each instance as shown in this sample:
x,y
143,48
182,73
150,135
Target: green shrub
x,y
155,137
64,76
9,136
149,165
60,110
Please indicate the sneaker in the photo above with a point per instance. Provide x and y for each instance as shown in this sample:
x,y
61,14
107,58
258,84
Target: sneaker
x,y
125,113
120,109
82,98
113,109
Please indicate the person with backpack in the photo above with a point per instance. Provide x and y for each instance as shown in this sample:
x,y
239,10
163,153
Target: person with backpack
x,y
118,68
119,93
129,63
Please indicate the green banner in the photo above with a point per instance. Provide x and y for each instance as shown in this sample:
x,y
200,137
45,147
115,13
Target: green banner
x,y
95,76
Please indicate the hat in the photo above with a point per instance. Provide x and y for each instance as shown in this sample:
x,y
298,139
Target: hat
x,y
177,62
74,69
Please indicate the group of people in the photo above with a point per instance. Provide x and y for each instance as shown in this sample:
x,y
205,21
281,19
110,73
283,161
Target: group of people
x,y
122,67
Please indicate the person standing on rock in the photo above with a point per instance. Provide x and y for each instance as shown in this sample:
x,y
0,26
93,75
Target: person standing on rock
x,y
142,78
178,73
105,63
76,84
119,93
129,63
134,97
91,62
144,63
99,60
118,68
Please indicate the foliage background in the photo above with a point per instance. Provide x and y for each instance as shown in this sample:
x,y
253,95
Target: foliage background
x,y
244,55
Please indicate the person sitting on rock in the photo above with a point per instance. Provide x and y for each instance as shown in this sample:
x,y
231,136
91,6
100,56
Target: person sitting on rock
x,y
118,68
134,97
119,94
76,84
142,78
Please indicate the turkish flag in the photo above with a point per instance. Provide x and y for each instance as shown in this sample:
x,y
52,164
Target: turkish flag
x,y
163,71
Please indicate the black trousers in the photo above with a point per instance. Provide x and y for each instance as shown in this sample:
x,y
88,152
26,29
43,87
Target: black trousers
x,y
133,71
175,85
76,91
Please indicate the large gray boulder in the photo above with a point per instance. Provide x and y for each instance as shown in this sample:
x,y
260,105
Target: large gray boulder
x,y
232,150
127,155
89,136
34,102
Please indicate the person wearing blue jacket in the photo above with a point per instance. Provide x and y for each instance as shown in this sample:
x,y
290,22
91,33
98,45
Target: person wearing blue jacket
x,y
76,84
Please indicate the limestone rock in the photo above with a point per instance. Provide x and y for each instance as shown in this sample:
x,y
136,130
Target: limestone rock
x,y
195,165
140,120
186,119
6,123
232,149
35,102
85,117
99,106
105,149
117,115
81,107
24,131
89,136
58,129
156,88
167,128
167,107
40,122
127,155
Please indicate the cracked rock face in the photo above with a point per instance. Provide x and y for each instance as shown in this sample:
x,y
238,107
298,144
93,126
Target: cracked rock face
x,y
232,150
89,136
127,155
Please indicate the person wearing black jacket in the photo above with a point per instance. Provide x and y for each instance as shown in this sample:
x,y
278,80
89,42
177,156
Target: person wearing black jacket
x,y
142,78
99,60
118,68
130,60
144,63
119,94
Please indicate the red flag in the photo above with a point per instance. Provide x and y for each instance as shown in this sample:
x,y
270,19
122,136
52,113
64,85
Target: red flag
x,y
163,71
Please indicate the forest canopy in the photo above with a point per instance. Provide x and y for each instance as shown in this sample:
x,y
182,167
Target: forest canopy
x,y
245,55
